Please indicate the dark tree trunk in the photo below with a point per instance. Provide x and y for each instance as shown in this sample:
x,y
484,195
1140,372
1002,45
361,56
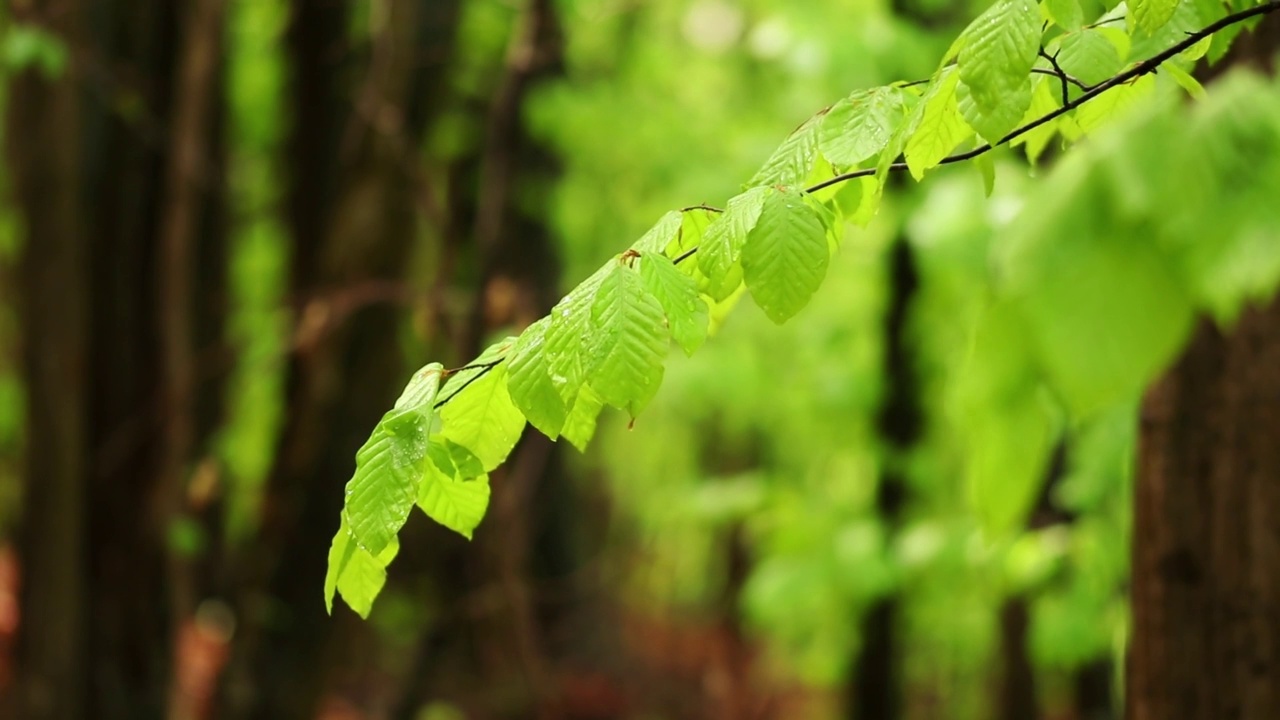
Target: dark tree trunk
x,y
875,690
352,213
91,153
1206,563
43,157
1206,547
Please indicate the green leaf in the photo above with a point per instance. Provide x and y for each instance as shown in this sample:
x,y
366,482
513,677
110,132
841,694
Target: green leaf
x,y
483,418
1185,80
661,234
354,573
1066,14
581,424
1151,15
785,257
529,381
790,163
380,494
938,125
1088,56
678,295
1112,104
859,126
1044,100
987,169
1009,447
566,339
995,122
1002,46
476,368
628,341
447,497
721,248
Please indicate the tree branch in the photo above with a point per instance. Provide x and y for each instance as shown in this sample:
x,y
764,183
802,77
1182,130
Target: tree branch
x,y
1146,66
1090,92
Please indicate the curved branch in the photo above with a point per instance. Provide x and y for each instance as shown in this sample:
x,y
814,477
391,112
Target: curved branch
x,y
1146,66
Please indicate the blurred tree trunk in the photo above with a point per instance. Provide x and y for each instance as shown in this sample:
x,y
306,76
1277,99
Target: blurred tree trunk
x,y
91,153
42,132
1206,563
1206,546
875,688
352,213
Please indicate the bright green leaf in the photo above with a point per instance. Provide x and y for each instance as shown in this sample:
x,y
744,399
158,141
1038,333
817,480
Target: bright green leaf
x,y
483,418
447,497
381,493
718,256
529,381
859,126
790,163
678,295
581,425
661,234
1088,56
996,62
354,573
785,257
938,125
628,341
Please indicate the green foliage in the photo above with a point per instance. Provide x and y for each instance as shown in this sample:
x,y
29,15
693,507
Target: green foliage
x,y
1083,298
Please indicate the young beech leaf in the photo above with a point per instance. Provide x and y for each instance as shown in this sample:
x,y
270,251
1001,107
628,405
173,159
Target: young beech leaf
x,y
628,341
721,248
482,418
1044,100
937,125
529,381
661,234
566,339
446,493
581,424
678,295
1088,56
996,62
353,572
789,165
1151,15
993,123
785,257
859,126
381,493
1066,14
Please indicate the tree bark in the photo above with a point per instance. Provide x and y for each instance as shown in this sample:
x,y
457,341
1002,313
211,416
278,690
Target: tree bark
x,y
1206,562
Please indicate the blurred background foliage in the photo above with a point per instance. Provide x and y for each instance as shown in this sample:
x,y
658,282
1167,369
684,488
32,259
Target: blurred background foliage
x,y
787,532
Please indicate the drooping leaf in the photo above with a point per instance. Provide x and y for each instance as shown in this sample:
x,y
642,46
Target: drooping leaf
x,y
996,62
447,496
721,248
993,123
354,573
483,418
790,163
678,295
1112,104
1044,100
381,493
565,341
628,341
529,381
581,425
785,257
859,126
938,125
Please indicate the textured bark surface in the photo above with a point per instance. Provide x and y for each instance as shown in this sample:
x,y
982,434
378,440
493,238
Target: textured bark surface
x,y
1206,563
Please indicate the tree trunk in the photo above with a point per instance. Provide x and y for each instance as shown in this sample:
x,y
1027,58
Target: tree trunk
x,y
1206,562
1206,543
